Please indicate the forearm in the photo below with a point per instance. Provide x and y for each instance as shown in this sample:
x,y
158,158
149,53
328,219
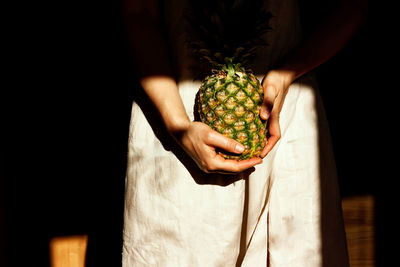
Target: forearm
x,y
163,92
151,62
327,39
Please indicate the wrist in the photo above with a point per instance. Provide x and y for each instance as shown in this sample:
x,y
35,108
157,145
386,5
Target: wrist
x,y
176,125
163,92
297,63
280,76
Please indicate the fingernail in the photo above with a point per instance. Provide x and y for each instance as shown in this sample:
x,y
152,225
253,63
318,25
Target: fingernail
x,y
264,114
239,148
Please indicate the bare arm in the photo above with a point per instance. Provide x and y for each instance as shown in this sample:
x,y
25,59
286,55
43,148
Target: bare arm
x,y
327,38
150,57
325,41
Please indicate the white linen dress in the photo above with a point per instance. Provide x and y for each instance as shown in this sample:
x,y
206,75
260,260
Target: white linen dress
x,y
286,213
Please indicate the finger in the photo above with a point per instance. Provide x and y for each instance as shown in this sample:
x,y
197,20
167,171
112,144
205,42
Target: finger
x,y
249,171
274,130
228,165
268,102
218,140
246,172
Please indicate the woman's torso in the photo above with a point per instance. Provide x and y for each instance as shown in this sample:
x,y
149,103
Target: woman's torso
x,y
285,34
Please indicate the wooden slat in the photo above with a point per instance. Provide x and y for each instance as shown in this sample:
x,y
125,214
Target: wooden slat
x,y
68,251
359,219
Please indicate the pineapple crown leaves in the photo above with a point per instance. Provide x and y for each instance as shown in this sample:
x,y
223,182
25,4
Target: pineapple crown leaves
x,y
227,31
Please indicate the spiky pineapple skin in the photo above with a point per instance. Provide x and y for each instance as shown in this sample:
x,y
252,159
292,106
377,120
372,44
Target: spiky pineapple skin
x,y
230,102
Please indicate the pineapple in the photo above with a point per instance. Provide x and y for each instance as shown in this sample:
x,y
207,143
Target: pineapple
x,y
229,99
229,102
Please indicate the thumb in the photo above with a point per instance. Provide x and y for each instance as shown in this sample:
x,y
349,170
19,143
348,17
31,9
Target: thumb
x,y
218,140
268,102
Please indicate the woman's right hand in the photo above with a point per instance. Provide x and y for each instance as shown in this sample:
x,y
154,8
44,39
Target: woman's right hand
x,y
200,142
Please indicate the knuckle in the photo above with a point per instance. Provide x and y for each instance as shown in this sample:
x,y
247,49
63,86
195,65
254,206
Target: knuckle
x,y
209,166
235,168
205,170
208,136
275,115
231,145
204,167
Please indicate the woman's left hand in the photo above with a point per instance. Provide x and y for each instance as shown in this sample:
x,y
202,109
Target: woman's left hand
x,y
276,84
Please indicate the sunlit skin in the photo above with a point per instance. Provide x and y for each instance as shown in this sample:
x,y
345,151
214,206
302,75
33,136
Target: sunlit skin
x,y
196,138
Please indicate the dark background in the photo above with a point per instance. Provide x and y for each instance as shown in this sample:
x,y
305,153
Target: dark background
x,y
66,127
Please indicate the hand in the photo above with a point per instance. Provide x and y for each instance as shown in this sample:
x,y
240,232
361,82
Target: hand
x,y
200,142
276,84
